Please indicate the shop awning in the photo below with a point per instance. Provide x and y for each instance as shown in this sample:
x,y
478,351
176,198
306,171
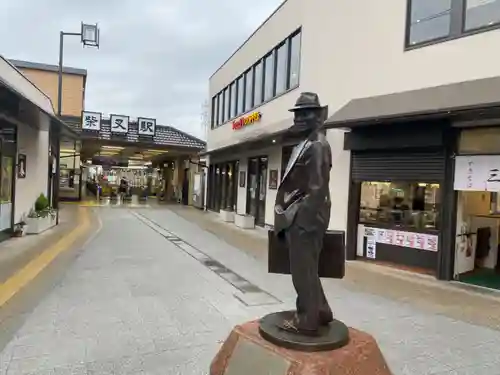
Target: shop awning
x,y
15,81
438,101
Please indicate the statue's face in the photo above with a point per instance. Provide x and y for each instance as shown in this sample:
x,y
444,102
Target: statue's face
x,y
306,120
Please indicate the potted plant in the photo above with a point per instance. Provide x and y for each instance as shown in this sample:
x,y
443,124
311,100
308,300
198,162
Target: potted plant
x,y
42,217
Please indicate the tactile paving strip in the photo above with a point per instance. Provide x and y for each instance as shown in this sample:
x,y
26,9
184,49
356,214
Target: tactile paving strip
x,y
247,293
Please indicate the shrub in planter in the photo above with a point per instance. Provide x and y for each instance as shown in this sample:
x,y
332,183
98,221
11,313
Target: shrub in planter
x,y
42,217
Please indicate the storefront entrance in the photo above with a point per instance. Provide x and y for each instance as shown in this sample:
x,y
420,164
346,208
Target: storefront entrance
x,y
222,186
477,182
398,184
256,189
7,178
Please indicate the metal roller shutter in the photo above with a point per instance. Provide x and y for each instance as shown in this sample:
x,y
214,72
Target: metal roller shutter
x,y
398,166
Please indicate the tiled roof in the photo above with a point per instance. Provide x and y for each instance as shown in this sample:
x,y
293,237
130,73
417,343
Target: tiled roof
x,y
165,135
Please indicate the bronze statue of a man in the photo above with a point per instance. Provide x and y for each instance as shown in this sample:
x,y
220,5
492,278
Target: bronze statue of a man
x,y
302,214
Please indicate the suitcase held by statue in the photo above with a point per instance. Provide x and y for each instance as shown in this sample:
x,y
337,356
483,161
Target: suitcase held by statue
x,y
331,259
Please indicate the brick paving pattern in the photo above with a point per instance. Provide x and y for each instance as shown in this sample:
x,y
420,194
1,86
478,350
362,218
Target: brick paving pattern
x,y
135,302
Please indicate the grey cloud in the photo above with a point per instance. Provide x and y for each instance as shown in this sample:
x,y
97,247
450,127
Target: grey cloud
x,y
155,56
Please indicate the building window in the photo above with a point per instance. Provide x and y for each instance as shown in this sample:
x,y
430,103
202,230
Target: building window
x,y
213,118
241,95
257,91
281,68
248,89
440,20
227,109
412,205
429,20
232,94
221,109
481,13
295,42
217,114
268,76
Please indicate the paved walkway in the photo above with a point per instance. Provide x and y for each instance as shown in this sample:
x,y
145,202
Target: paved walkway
x,y
147,296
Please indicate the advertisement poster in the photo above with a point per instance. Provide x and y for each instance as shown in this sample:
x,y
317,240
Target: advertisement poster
x,y
400,239
412,240
431,243
389,237
371,248
409,239
369,232
381,235
419,241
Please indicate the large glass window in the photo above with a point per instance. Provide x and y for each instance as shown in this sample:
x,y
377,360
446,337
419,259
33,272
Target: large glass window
x,y
268,76
217,116
281,68
295,42
232,94
429,20
213,110
248,89
221,109
241,95
6,186
257,91
227,113
481,13
413,205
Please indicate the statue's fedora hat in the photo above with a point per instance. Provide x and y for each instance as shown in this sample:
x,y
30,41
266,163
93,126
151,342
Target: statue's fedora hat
x,y
307,100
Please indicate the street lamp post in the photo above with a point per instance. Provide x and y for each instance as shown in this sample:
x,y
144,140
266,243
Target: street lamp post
x,y
89,37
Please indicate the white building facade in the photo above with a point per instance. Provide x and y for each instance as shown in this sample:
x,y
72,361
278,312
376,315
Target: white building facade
x,y
382,68
29,139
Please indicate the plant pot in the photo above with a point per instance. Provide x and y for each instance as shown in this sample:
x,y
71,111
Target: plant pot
x,y
37,225
226,216
244,221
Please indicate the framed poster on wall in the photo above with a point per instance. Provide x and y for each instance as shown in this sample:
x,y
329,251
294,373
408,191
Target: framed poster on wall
x,y
21,166
242,178
273,179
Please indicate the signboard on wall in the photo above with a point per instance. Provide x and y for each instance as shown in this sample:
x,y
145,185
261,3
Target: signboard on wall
x,y
147,126
119,124
91,120
477,173
246,120
420,241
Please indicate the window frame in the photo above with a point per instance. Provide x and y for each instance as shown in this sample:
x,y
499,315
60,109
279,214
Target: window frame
x,y
286,48
263,100
457,26
289,86
252,80
213,114
254,67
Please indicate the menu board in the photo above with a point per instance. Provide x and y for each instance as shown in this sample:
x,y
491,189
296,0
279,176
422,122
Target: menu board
x,y
421,241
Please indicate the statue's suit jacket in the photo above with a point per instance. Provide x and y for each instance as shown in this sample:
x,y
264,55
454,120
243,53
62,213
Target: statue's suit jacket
x,y
303,197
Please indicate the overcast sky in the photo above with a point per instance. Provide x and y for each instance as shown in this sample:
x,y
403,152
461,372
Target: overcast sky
x,y
155,56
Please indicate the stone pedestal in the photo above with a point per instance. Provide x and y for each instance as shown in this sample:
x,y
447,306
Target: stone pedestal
x,y
245,352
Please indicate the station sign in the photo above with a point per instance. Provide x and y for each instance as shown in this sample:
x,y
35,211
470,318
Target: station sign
x,y
91,120
119,124
247,120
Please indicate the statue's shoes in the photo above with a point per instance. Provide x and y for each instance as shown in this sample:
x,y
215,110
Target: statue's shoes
x,y
293,326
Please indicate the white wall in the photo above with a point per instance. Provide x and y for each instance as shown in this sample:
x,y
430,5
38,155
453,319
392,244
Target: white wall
x,y
34,143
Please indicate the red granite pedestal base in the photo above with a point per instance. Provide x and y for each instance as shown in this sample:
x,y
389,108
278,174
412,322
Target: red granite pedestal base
x,y
245,352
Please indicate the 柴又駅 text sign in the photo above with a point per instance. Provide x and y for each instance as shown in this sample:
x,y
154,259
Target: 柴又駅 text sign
x,y
247,120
